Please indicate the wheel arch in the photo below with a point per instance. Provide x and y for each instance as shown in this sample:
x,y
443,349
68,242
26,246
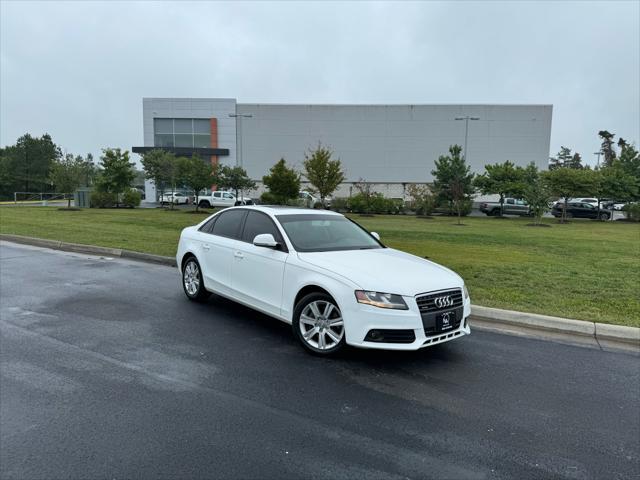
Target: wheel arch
x,y
187,255
306,290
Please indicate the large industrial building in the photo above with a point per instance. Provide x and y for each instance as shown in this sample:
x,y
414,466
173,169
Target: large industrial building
x,y
390,146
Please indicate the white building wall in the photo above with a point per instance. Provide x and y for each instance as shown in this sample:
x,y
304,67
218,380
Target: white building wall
x,y
393,143
388,145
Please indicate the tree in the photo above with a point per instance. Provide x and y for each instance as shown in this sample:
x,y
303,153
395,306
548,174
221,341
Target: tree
x,y
161,168
503,179
26,164
616,184
629,161
607,147
453,180
196,174
236,179
323,173
66,174
283,182
117,172
569,182
565,159
535,193
366,194
89,169
424,201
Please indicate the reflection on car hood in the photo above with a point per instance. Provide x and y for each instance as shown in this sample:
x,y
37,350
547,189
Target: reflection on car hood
x,y
385,270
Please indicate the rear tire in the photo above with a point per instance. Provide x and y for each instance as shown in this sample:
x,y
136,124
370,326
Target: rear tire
x,y
318,324
192,283
604,217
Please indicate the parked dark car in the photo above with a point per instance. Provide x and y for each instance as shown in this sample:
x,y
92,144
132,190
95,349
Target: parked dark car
x,y
581,210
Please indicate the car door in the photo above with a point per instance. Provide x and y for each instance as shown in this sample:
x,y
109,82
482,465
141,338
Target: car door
x,y
258,271
218,247
578,210
229,199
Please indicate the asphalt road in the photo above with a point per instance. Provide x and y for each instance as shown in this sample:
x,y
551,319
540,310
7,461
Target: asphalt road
x,y
108,371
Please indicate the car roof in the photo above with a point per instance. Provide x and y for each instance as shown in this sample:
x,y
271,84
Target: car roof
x,y
287,210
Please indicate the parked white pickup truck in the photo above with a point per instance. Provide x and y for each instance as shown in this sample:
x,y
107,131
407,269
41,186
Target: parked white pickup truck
x,y
222,199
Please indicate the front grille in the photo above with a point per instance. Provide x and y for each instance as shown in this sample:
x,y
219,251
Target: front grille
x,y
427,302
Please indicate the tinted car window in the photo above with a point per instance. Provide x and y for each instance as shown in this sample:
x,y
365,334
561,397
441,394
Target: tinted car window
x,y
229,223
258,223
206,228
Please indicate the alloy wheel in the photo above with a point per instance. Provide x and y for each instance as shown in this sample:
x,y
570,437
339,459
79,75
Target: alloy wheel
x,y
191,278
321,325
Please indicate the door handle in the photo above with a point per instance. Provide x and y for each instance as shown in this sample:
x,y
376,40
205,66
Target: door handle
x,y
238,255
206,247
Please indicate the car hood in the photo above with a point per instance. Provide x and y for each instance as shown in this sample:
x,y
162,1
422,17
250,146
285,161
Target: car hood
x,y
385,270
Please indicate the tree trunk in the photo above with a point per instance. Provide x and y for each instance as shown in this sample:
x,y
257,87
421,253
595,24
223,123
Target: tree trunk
x,y
69,202
564,210
501,205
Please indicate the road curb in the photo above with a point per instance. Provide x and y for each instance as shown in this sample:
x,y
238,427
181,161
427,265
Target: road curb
x,y
89,249
576,332
148,257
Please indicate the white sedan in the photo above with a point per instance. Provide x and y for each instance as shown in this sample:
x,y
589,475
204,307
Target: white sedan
x,y
333,281
175,198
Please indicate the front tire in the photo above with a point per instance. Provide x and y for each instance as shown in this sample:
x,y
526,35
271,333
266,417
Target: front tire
x,y
604,217
192,281
318,324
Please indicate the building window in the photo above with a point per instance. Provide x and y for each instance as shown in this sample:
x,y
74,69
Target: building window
x,y
182,132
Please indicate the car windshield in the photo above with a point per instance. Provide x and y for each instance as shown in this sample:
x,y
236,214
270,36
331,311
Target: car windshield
x,y
325,233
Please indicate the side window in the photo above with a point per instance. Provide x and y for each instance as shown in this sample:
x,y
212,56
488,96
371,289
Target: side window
x,y
228,195
216,194
258,223
510,201
229,223
207,227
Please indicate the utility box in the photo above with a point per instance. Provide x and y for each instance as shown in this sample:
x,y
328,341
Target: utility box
x,y
82,198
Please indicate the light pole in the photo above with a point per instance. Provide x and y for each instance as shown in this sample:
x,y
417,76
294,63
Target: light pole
x,y
598,154
238,135
466,131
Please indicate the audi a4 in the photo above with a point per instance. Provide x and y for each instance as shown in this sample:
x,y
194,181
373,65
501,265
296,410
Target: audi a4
x,y
336,283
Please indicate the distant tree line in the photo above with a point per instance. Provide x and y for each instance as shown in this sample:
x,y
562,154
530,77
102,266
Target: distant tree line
x,y
36,164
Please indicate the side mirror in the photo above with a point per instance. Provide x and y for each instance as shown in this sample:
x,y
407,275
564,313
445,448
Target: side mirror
x,y
375,235
265,240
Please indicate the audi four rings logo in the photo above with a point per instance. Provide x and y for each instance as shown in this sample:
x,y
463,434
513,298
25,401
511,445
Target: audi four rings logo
x,y
442,302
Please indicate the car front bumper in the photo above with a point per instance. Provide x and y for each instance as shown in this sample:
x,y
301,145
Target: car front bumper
x,y
361,319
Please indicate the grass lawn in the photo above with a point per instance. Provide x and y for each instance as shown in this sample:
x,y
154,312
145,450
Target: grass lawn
x,y
585,270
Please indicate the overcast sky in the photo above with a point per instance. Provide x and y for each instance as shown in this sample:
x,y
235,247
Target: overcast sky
x,y
79,70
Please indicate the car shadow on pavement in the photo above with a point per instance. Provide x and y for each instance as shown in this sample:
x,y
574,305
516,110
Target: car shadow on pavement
x,y
278,335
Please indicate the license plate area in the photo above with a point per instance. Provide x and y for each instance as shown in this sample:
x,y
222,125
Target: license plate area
x,y
446,321
434,324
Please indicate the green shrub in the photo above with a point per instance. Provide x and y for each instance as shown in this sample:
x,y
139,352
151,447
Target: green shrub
x,y
423,201
268,198
632,211
449,208
358,203
377,203
102,199
340,204
131,198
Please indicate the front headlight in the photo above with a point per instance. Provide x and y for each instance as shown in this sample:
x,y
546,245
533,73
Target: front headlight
x,y
466,292
381,300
